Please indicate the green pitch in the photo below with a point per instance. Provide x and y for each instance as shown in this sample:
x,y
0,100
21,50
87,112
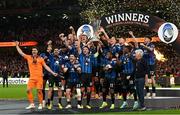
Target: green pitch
x,y
14,92
165,112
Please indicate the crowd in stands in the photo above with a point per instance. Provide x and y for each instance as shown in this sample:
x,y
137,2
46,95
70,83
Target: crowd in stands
x,y
16,65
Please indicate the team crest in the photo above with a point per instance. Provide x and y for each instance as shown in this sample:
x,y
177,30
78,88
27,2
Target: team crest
x,y
168,33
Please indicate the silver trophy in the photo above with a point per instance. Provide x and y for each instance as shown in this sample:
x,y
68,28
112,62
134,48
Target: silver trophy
x,y
96,25
85,29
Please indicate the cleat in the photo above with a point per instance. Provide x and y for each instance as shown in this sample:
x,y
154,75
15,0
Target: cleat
x,y
44,104
49,106
60,106
124,105
142,109
104,104
79,106
147,95
68,106
88,106
112,106
136,105
40,107
153,95
31,106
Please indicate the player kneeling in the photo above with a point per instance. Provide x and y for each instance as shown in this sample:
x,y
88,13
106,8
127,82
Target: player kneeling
x,y
73,70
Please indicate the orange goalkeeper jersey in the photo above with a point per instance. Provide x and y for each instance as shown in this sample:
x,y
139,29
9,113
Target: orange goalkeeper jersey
x,y
35,68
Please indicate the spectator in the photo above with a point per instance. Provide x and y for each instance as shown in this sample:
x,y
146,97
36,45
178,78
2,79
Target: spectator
x,y
5,76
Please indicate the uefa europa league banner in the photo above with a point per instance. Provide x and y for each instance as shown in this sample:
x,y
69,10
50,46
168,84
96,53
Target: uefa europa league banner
x,y
153,23
123,18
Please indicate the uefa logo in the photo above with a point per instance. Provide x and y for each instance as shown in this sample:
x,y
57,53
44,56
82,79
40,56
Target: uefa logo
x,y
168,33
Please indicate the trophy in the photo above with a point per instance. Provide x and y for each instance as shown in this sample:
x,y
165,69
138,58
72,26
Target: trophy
x,y
89,30
96,25
85,29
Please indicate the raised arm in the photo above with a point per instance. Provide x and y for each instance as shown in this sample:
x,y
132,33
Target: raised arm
x,y
132,35
105,34
19,49
79,47
72,30
49,43
49,70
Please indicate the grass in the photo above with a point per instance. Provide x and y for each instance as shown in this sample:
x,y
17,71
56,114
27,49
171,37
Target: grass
x,y
170,111
14,92
19,92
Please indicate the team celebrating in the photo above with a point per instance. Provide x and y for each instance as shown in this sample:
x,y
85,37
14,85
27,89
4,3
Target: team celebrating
x,y
81,65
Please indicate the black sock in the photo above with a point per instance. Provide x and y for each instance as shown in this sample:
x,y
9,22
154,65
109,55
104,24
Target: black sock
x,y
97,87
60,100
63,93
88,97
48,102
79,102
112,98
147,89
124,96
43,91
69,102
104,96
82,94
52,96
135,96
100,88
153,89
